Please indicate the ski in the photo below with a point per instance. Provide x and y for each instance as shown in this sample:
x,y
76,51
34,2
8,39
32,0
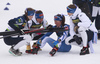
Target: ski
x,y
41,30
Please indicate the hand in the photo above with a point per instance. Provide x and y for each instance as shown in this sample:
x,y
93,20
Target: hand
x,y
76,29
71,40
49,26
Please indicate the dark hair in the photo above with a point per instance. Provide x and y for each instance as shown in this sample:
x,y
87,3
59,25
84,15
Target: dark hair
x,y
63,19
38,11
72,6
28,9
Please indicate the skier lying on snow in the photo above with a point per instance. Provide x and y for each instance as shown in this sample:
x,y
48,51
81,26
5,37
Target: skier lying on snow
x,y
82,30
59,44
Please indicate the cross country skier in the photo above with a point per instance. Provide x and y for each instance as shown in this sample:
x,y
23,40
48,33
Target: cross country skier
x,y
59,44
81,29
18,24
36,22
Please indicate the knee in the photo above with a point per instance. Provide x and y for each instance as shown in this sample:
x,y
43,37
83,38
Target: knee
x,y
27,37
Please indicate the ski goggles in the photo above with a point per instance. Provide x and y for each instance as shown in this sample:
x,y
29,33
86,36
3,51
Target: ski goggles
x,y
30,13
40,16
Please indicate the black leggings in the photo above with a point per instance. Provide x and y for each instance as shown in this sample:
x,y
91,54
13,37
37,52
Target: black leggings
x,y
90,35
12,41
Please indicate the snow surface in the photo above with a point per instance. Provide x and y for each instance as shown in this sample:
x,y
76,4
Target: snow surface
x,y
49,8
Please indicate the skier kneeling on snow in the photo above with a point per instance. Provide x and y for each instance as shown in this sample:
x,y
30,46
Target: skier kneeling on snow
x,y
18,24
59,44
37,22
82,30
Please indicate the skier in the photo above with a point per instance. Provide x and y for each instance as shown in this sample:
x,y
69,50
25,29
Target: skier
x,y
96,15
85,6
19,24
36,22
82,29
59,44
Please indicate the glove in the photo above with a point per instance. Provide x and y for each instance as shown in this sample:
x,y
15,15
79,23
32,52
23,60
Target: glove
x,y
77,39
49,26
76,29
72,40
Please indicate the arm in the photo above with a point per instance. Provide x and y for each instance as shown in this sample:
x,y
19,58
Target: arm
x,y
65,34
16,23
85,21
47,34
72,32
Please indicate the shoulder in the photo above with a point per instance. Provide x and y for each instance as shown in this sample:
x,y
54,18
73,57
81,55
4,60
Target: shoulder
x,y
81,15
20,18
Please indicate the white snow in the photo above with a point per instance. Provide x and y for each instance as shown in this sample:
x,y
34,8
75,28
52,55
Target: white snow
x,y
49,8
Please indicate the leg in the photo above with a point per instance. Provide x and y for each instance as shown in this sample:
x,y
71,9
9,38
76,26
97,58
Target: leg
x,y
86,36
48,40
27,39
71,43
83,34
15,49
12,41
64,47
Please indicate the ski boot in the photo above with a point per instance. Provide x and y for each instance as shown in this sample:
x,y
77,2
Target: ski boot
x,y
84,51
53,51
35,49
15,52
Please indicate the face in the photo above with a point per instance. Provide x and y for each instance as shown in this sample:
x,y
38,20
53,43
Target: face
x,y
39,20
58,23
30,17
70,14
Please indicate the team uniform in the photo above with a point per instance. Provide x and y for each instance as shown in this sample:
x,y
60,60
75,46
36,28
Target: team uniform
x,y
61,45
85,32
33,24
18,24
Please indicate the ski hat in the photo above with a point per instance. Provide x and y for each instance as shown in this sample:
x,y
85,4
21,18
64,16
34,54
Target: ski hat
x,y
57,18
71,10
39,15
